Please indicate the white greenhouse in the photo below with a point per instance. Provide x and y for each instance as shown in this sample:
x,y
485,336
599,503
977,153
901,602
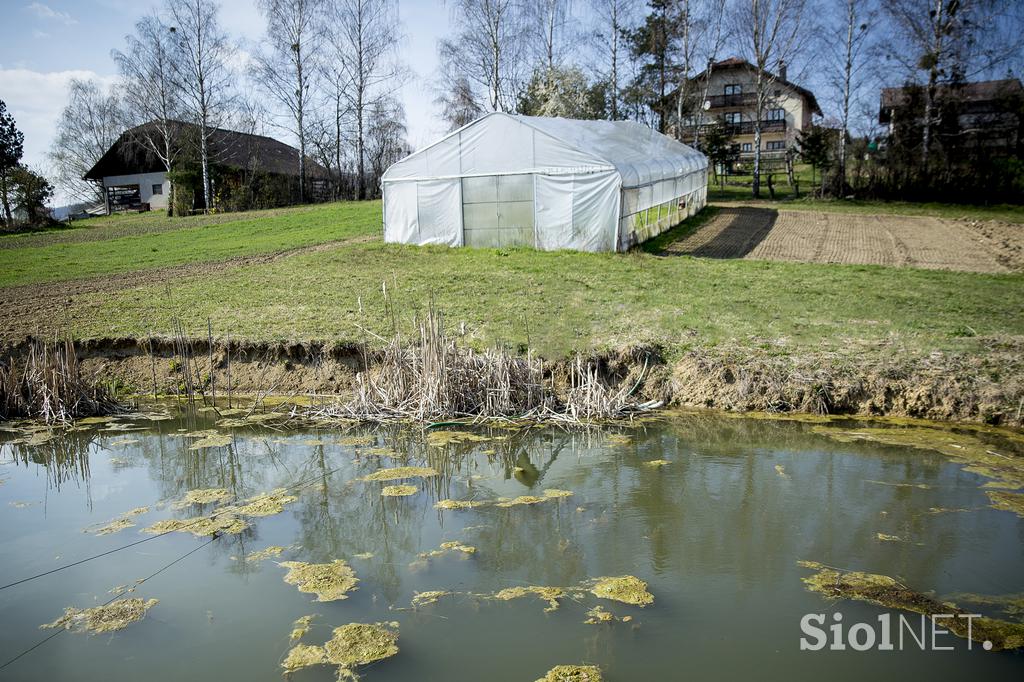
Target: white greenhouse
x,y
549,183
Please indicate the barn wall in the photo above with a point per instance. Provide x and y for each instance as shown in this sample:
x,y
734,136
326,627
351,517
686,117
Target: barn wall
x,y
145,181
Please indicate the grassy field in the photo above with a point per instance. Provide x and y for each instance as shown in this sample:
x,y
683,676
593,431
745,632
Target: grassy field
x,y
125,243
555,301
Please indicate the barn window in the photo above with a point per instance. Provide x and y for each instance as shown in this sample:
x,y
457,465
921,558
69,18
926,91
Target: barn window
x,y
158,189
497,210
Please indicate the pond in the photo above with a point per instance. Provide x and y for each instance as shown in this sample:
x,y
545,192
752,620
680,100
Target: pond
x,y
712,512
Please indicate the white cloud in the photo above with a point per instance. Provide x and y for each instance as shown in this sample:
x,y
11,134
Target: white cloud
x,y
40,35
36,100
49,14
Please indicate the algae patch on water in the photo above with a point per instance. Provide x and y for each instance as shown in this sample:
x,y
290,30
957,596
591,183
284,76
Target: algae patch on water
x,y
300,627
303,656
265,553
552,595
398,473
428,597
657,463
327,581
1007,501
265,504
358,644
573,673
398,490
116,615
213,440
203,496
979,456
458,504
115,526
441,438
627,589
888,592
200,526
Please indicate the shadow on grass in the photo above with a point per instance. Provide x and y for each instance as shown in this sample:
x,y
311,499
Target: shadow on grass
x,y
734,233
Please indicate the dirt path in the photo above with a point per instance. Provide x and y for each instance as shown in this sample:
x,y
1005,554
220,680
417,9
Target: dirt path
x,y
819,237
42,306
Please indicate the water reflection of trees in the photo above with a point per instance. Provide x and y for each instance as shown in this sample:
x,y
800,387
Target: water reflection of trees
x,y
719,507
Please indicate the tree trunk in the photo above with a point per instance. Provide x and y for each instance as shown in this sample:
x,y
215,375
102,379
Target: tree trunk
x,y
5,197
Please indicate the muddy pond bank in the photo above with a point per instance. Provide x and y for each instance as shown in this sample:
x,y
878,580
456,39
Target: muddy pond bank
x,y
942,386
637,551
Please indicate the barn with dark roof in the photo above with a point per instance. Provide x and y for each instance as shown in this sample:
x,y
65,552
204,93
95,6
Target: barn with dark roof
x,y
133,177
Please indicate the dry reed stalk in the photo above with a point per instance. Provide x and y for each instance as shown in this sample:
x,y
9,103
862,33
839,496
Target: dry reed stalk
x,y
49,385
437,379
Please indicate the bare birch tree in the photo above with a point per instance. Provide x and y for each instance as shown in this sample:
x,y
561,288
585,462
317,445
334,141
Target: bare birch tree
x,y
89,125
551,25
487,49
701,39
458,104
364,41
768,31
286,68
613,17
851,20
202,73
151,99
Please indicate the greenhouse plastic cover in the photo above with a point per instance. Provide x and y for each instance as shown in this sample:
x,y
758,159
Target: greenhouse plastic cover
x,y
580,170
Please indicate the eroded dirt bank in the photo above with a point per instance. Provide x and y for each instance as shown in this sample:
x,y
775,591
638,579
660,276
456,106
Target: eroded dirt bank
x,y
940,386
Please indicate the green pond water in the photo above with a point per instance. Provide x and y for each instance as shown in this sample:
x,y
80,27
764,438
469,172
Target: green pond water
x,y
716,533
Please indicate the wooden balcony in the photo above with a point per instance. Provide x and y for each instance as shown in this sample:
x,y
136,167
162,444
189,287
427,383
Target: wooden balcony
x,y
743,128
741,100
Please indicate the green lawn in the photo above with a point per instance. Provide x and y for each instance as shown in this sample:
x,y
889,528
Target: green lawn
x,y
562,301
125,243
555,301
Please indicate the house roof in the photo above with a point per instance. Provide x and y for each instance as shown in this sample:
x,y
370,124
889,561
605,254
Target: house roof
x,y
227,148
739,63
980,91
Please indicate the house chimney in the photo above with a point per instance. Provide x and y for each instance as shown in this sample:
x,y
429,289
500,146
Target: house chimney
x,y
782,70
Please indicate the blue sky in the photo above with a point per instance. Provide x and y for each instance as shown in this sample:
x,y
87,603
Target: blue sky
x,y
46,43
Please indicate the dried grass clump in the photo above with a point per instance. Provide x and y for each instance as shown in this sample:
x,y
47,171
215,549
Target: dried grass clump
x,y
327,581
573,673
116,615
627,589
48,384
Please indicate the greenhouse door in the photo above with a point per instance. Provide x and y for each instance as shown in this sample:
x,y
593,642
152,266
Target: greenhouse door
x,y
497,210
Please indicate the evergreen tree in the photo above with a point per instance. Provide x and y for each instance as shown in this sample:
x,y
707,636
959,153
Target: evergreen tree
x,y
11,150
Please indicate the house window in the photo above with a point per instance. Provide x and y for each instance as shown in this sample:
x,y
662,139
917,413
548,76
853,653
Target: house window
x,y
747,147
733,89
776,114
158,189
775,145
733,117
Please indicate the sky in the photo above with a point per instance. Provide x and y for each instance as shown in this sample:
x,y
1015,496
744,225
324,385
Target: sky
x,y
44,45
